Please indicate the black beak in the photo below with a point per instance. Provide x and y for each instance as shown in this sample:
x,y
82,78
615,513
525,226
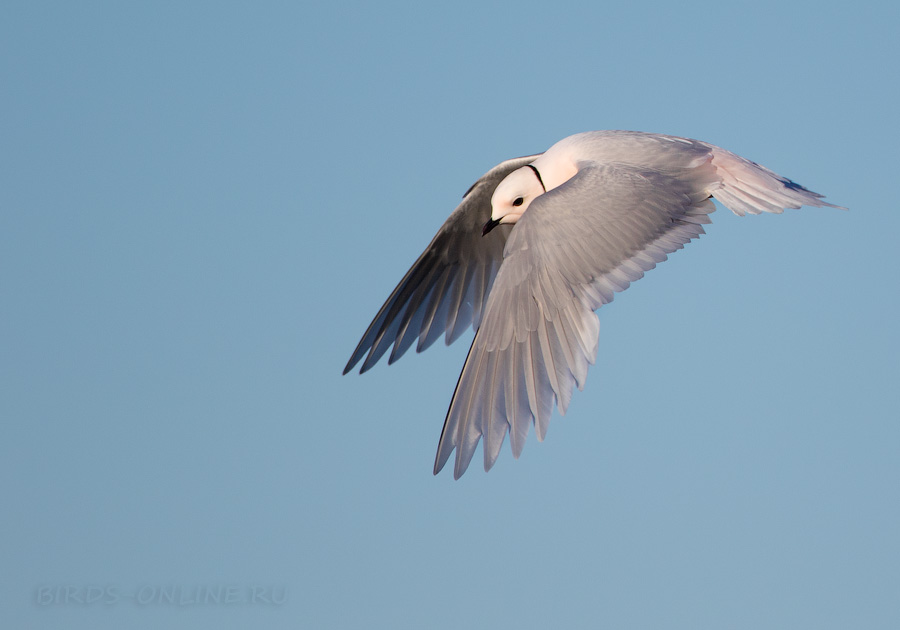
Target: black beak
x,y
490,225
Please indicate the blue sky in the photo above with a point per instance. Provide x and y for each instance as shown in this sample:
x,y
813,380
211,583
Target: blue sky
x,y
202,205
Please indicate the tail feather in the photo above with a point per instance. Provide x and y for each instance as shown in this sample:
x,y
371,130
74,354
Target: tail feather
x,y
748,188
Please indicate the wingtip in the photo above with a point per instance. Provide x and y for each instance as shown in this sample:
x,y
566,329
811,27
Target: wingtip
x,y
461,465
440,458
350,365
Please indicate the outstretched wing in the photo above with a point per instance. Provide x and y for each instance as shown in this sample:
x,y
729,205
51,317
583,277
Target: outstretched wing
x,y
574,247
445,289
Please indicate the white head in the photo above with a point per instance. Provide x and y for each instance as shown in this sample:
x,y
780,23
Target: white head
x,y
513,196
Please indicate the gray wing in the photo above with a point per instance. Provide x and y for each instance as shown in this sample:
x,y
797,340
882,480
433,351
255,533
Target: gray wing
x,y
572,249
445,289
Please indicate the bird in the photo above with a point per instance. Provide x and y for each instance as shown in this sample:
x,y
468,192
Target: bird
x,y
536,246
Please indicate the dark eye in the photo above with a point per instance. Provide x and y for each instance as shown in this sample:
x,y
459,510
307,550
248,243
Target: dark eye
x,y
518,202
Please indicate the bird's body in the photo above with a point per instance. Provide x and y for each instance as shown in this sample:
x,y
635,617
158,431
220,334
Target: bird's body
x,y
536,246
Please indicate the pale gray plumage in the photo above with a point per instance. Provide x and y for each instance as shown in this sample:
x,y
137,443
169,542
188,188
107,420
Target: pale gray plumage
x,y
616,204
